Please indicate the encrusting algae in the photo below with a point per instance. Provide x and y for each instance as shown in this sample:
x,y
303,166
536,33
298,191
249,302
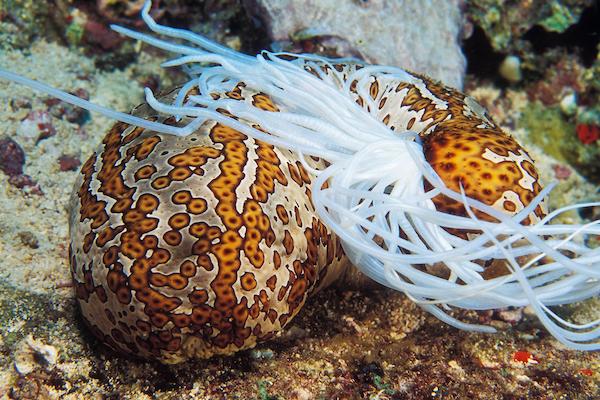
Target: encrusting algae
x,y
207,217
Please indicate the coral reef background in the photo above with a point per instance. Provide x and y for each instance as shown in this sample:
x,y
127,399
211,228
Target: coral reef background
x,y
533,64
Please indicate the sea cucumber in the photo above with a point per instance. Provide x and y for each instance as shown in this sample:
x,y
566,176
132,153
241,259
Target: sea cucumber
x,y
207,217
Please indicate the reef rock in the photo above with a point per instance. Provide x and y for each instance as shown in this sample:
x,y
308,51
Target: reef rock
x,y
422,36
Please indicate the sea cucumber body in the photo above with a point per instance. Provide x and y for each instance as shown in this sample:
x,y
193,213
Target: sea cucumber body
x,y
208,244
194,246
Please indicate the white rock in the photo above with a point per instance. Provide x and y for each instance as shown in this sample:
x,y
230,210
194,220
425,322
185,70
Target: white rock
x,y
510,69
568,104
419,35
31,354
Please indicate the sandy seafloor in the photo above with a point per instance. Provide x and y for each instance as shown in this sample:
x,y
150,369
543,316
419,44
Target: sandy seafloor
x,y
346,343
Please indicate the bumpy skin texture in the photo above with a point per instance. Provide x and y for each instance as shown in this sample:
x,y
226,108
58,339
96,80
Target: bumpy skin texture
x,y
209,244
195,246
462,144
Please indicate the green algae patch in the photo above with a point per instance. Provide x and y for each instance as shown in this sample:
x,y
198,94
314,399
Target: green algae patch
x,y
560,19
504,25
21,21
23,313
74,33
549,130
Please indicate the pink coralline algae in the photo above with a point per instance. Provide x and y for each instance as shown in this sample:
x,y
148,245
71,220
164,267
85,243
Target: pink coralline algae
x,y
42,122
60,109
68,163
12,157
561,172
101,35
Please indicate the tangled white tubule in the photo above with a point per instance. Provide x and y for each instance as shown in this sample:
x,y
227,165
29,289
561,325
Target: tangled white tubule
x,y
379,190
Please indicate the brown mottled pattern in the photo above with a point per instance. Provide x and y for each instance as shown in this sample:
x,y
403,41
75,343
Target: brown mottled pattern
x,y
180,247
193,246
462,143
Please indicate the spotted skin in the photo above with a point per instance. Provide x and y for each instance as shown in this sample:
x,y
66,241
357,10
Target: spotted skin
x,y
189,247
463,145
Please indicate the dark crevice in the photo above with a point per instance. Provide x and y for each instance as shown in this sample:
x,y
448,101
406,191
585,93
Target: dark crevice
x,y
482,60
582,37
251,32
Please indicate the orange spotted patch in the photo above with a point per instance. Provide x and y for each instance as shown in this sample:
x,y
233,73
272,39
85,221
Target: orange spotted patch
x,y
458,158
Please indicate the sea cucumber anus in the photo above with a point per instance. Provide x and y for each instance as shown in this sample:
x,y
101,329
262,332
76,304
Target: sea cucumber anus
x,y
208,215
